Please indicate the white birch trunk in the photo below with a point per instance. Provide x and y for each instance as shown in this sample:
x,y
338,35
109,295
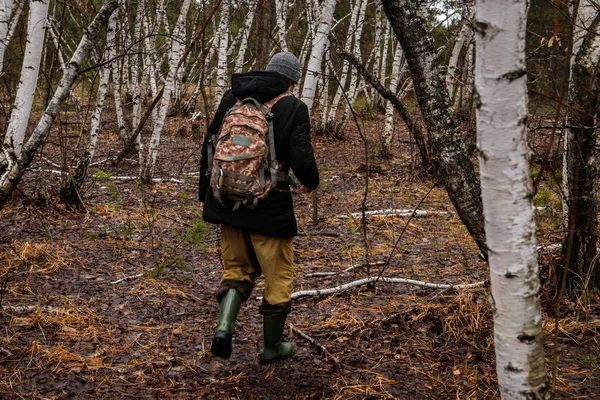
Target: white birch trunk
x,y
454,57
506,192
281,13
137,68
239,61
95,125
21,109
111,46
14,20
354,77
222,53
341,87
177,48
316,56
5,13
375,55
383,60
11,178
388,128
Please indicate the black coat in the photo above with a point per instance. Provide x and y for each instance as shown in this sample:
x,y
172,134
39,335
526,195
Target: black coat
x,y
274,215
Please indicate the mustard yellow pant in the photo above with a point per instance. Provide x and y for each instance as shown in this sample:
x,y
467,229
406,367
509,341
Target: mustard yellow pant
x,y
247,254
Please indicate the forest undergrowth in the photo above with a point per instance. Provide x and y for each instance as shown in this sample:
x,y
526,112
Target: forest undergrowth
x,y
117,300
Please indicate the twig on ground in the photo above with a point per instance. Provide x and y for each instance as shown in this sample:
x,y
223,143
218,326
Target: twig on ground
x,y
127,278
324,292
321,347
397,213
353,267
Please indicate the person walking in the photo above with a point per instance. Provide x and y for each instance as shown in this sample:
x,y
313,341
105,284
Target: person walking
x,y
258,240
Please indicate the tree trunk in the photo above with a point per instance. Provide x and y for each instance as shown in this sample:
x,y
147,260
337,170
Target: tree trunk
x,y
341,87
506,191
222,53
581,179
387,135
450,157
281,10
239,61
264,11
5,13
13,175
177,47
21,109
315,61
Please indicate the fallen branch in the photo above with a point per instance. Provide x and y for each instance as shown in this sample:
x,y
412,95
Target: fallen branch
x,y
341,288
127,278
26,309
351,268
321,347
398,213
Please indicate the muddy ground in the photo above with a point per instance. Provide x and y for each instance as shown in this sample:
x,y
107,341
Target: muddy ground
x,y
117,300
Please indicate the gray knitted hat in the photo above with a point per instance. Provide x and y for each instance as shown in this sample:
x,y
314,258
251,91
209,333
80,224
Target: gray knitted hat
x,y
286,64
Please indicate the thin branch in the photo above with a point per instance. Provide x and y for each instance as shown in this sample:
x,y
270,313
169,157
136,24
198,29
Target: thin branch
x,y
321,347
398,213
365,281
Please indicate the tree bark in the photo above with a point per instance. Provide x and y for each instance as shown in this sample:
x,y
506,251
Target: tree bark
x,y
450,158
21,109
222,53
581,178
315,61
5,13
507,191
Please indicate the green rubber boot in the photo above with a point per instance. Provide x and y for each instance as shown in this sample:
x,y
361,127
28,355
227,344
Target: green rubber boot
x,y
275,349
230,305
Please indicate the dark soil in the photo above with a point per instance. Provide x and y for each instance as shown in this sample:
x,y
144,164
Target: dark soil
x,y
117,300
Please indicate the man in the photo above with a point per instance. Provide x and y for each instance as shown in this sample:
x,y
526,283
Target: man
x,y
259,241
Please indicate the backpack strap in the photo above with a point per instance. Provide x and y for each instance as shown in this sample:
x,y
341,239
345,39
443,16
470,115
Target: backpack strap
x,y
278,175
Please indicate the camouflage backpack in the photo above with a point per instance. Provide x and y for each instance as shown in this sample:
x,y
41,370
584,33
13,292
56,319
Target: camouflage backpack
x,y
241,157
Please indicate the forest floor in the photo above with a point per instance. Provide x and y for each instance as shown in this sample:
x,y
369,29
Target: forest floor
x,y
117,300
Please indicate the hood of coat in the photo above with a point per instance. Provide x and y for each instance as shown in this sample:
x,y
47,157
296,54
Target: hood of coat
x,y
262,85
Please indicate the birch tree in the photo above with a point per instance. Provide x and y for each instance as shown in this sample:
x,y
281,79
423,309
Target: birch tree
x,y
222,53
13,174
177,48
388,129
21,109
239,61
409,20
5,13
581,170
506,191
346,71
317,53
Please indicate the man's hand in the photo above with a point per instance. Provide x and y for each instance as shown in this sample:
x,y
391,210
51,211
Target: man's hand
x,y
303,189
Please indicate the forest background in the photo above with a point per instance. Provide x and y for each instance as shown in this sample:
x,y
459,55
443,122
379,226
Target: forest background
x,y
107,272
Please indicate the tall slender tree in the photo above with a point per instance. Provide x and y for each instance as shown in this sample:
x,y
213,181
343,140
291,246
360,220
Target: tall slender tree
x,y
23,103
507,193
